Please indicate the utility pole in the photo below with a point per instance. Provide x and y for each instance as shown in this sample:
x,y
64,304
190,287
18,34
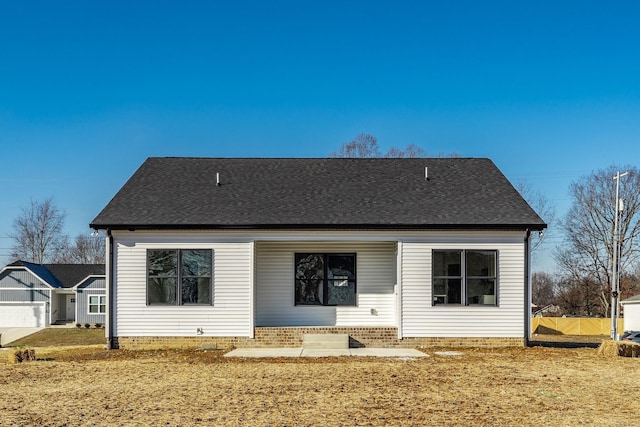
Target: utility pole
x,y
615,275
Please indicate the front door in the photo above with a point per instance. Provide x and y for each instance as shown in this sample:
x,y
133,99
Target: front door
x,y
71,307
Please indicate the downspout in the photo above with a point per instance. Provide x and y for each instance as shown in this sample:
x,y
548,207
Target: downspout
x,y
527,288
110,292
398,289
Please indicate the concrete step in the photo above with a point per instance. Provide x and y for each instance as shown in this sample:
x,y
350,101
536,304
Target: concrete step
x,y
325,341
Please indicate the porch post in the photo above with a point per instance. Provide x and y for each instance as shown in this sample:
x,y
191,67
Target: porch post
x,y
527,289
398,288
252,289
50,307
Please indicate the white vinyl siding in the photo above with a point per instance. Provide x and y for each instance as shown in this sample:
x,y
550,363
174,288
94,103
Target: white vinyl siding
x,y
375,271
421,319
228,315
253,283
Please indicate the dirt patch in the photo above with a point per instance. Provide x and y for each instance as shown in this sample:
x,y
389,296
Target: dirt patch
x,y
542,386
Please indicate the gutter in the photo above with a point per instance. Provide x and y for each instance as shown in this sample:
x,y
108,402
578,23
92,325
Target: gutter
x,y
375,226
527,288
110,292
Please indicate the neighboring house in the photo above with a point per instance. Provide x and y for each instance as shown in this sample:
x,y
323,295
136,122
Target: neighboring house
x,y
257,252
38,295
549,309
631,307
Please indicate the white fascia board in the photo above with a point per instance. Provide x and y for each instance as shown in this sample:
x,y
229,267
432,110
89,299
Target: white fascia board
x,y
91,276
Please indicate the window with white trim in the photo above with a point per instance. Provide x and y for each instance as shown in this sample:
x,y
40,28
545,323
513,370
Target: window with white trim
x,y
465,277
97,304
179,276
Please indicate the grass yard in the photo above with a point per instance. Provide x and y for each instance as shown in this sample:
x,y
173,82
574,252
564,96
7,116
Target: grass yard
x,y
533,386
62,337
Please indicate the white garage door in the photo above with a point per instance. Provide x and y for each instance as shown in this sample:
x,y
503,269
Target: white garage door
x,y
23,314
632,317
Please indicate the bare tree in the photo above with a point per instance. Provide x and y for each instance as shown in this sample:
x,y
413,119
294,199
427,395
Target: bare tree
x,y
580,297
630,283
587,258
363,146
545,209
543,289
366,146
84,250
411,151
37,232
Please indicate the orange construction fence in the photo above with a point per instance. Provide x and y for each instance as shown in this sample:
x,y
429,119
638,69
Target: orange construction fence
x,y
573,325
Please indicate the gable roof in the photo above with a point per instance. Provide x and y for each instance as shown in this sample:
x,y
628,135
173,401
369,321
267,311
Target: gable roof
x,y
61,275
632,300
70,275
39,271
181,193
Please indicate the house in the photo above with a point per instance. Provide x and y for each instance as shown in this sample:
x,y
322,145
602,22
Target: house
x,y
258,252
631,307
38,295
549,309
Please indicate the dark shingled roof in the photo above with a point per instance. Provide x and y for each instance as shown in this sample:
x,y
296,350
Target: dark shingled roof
x,y
181,193
70,275
62,275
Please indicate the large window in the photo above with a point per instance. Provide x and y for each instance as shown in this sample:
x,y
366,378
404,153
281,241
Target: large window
x,y
465,277
325,279
97,304
179,276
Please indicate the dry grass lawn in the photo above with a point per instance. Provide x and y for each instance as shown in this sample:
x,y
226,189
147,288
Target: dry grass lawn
x,y
62,337
534,386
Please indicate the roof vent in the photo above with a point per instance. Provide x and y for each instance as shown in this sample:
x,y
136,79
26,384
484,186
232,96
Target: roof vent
x,y
426,173
217,179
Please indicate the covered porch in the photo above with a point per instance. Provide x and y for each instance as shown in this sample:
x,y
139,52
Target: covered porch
x,y
63,306
325,285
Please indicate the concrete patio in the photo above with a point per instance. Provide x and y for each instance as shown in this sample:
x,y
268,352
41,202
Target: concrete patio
x,y
330,352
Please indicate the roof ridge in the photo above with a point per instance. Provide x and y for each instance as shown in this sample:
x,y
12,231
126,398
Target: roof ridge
x,y
316,158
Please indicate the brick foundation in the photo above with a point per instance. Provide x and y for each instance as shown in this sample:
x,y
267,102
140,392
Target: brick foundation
x,y
271,337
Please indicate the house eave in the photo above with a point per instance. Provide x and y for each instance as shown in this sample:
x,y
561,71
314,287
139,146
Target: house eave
x,y
424,227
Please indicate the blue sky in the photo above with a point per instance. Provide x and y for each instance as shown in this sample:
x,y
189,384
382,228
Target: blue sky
x,y
549,90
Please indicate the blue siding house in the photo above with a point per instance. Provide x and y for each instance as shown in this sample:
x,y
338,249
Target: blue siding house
x,y
38,295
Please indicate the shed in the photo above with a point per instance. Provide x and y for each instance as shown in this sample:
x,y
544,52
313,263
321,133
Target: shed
x,y
631,307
